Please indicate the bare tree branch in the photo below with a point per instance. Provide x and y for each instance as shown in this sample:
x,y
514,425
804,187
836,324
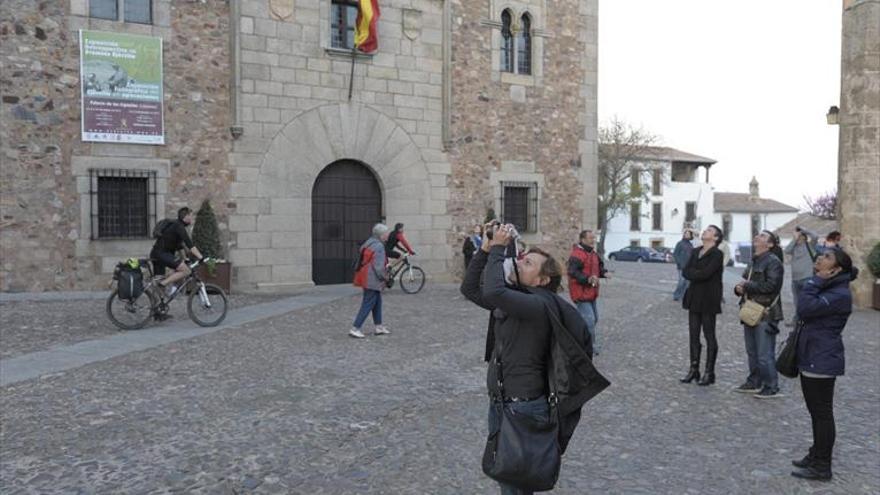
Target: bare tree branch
x,y
824,206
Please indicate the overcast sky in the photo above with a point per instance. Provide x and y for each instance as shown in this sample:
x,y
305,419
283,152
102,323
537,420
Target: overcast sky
x,y
744,82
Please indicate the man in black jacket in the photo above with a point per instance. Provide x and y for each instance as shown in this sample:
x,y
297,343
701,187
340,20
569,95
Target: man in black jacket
x,y
762,283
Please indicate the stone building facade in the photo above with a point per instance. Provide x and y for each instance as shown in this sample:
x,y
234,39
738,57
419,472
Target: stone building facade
x,y
466,106
48,174
859,120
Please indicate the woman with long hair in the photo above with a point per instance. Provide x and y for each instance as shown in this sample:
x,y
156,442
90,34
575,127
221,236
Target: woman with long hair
x,y
824,306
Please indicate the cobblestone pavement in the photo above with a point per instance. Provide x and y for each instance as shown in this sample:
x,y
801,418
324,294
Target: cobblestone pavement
x,y
29,326
292,405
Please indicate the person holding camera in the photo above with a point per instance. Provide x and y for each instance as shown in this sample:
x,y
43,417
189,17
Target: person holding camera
x,y
824,307
525,345
702,299
802,253
762,284
585,268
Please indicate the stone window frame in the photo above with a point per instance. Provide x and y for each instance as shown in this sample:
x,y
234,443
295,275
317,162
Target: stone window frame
x,y
160,13
111,250
520,171
326,42
95,192
517,9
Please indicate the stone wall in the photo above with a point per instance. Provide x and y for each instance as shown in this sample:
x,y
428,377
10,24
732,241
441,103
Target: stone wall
x,y
859,173
538,128
44,226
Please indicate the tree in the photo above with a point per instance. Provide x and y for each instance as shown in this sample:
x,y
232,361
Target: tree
x,y
206,233
623,149
824,206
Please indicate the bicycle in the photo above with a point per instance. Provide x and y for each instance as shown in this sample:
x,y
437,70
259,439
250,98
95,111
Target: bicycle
x,y
206,306
412,277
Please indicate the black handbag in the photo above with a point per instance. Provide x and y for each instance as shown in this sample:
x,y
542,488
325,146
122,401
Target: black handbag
x,y
522,452
786,361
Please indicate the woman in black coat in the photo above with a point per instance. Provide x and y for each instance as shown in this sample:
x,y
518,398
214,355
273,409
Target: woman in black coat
x,y
704,270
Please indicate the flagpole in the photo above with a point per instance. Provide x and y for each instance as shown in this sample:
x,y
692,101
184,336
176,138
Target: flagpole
x,y
351,77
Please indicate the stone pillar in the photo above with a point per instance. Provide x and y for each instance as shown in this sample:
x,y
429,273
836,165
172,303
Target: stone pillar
x,y
859,167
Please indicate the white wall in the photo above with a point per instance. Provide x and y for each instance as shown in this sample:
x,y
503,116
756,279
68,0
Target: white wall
x,y
742,224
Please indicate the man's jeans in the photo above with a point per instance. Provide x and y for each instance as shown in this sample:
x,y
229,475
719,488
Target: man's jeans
x,y
761,348
680,289
537,409
796,287
590,312
372,302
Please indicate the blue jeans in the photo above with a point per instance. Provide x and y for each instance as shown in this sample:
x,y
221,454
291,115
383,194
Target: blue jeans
x,y
761,348
680,289
590,312
372,302
538,408
796,287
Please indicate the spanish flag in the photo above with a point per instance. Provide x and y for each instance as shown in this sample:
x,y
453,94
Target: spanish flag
x,y
366,36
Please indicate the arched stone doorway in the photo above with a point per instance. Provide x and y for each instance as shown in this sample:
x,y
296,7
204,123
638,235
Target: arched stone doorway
x,y
346,203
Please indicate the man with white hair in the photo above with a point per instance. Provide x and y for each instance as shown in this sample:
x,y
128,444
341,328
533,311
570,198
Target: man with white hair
x,y
370,275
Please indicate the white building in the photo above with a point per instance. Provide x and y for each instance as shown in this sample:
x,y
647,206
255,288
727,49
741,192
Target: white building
x,y
680,196
743,215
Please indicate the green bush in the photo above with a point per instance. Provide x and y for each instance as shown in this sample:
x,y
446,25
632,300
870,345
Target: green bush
x,y
874,260
206,233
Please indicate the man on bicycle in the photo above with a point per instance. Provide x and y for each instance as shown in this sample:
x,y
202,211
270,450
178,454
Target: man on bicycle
x,y
396,238
164,253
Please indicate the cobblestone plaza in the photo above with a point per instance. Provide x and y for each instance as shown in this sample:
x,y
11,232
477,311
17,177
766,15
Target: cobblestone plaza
x,y
291,404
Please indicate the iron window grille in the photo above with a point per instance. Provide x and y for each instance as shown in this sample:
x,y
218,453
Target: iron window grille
x,y
524,46
506,43
343,18
122,203
635,217
519,205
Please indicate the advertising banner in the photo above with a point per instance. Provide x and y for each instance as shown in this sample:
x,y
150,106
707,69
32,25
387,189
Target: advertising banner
x,y
121,88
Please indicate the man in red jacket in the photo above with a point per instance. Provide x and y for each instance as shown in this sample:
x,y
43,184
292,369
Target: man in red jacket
x,y
585,268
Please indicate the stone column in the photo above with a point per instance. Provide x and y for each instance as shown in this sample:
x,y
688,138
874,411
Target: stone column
x,y
859,167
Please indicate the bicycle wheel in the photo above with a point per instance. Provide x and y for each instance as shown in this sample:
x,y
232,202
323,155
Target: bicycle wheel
x,y
130,315
207,308
412,279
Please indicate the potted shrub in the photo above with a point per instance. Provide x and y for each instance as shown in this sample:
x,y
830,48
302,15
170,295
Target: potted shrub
x,y
206,237
873,261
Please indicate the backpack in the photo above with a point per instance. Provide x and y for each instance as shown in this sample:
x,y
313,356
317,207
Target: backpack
x,y
130,279
161,227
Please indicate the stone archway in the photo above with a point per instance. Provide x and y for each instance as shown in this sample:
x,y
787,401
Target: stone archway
x,y
295,158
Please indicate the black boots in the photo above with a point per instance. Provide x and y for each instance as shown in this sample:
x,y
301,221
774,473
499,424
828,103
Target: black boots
x,y
693,374
709,376
816,470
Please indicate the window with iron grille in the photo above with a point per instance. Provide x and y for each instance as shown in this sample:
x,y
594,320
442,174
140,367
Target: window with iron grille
x,y
657,216
635,217
343,18
519,205
123,203
524,46
690,212
506,42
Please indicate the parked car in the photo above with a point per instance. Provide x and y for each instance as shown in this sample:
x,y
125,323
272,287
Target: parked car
x,y
638,254
743,253
666,252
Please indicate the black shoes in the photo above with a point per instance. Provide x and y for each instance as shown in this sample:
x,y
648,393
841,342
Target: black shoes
x,y
813,472
803,463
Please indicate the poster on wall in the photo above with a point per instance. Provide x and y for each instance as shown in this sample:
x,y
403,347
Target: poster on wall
x,y
121,90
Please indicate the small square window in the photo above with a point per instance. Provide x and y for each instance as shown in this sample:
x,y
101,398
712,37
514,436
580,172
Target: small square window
x,y
104,9
121,203
139,11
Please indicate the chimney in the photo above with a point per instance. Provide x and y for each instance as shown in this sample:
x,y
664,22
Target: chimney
x,y
753,189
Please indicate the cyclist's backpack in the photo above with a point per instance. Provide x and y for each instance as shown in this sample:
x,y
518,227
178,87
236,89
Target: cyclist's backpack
x,y
129,279
161,227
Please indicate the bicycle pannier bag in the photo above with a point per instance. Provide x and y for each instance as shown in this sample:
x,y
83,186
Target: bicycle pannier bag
x,y
129,281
